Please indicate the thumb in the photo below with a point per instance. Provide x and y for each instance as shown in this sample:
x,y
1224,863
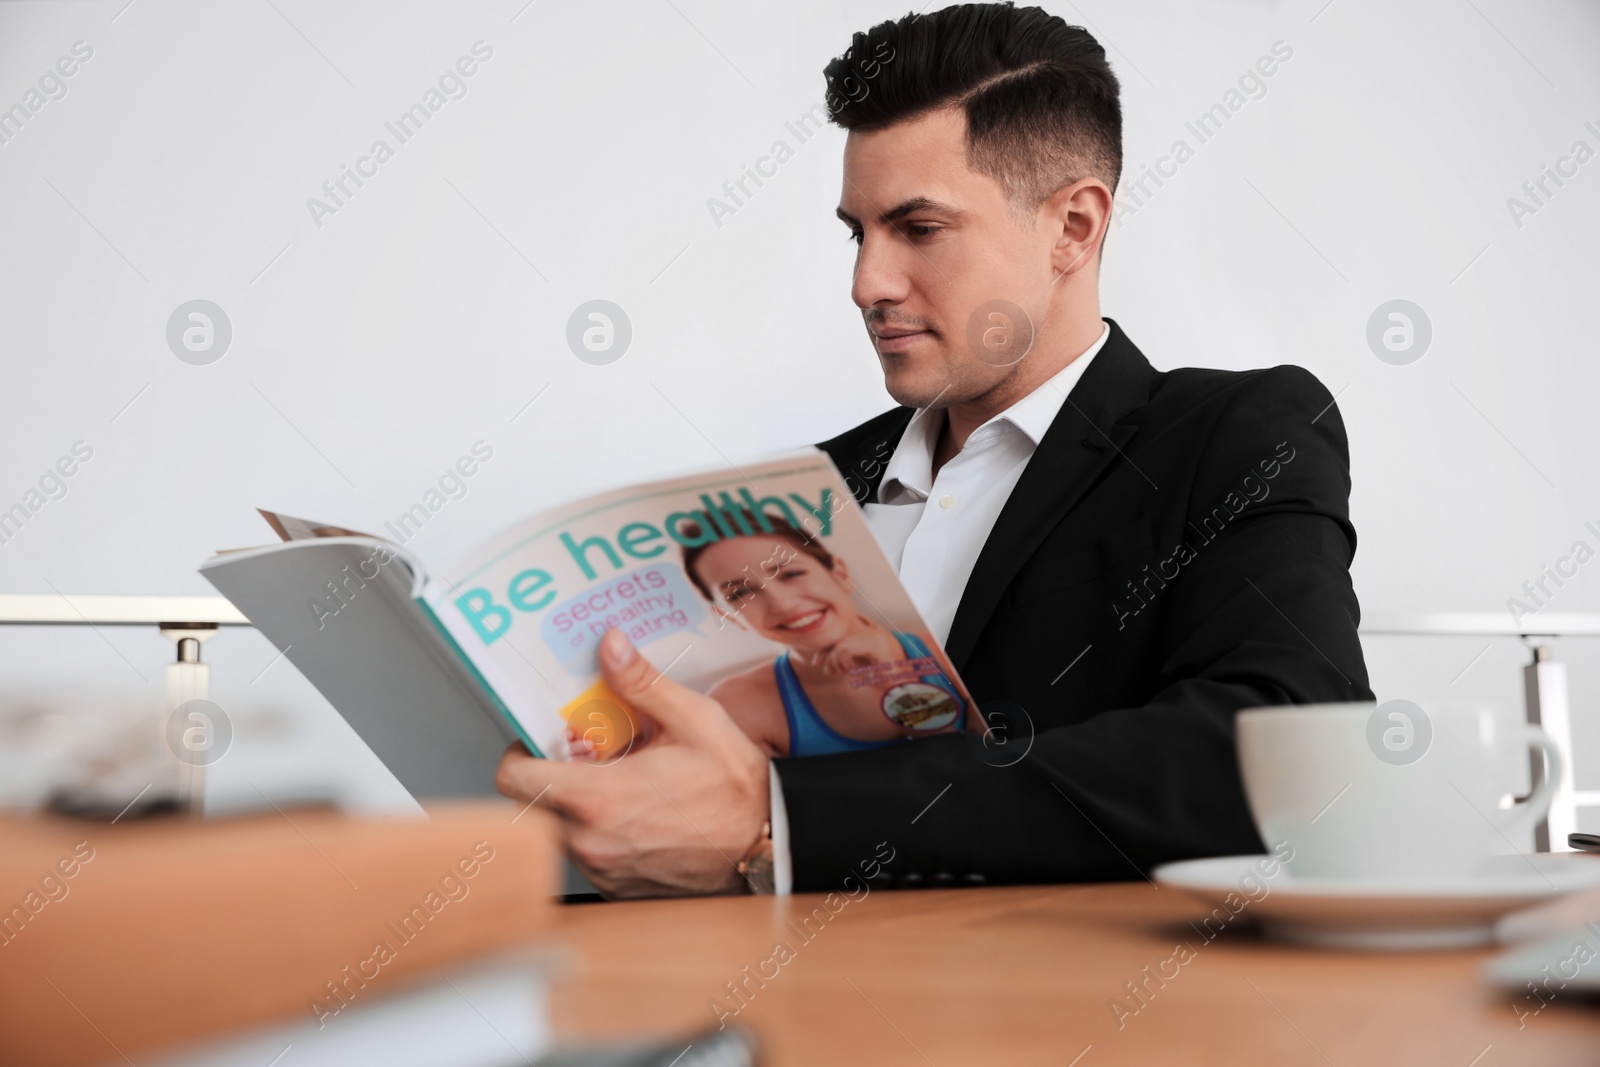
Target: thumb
x,y
681,711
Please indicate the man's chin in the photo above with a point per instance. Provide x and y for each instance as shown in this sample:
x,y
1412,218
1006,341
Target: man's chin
x,y
916,387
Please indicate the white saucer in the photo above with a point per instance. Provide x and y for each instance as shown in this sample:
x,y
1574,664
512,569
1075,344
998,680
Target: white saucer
x,y
1568,962
1368,913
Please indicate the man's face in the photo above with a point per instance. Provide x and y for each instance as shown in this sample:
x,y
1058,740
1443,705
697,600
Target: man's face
x,y
939,244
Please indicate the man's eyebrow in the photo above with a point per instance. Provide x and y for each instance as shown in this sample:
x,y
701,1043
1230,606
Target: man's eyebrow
x,y
916,203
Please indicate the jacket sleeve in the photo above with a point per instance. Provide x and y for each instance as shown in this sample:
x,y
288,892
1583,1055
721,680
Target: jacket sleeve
x,y
1264,614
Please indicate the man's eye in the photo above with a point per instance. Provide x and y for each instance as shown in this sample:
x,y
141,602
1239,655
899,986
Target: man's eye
x,y
855,235
920,230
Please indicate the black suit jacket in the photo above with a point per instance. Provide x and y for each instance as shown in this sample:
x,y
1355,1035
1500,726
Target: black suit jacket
x,y
1178,548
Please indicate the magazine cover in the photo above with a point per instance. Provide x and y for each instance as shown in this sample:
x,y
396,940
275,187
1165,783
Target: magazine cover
x,y
762,586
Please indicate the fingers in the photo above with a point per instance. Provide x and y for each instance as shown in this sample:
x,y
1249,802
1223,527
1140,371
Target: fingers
x,y
679,710
828,660
580,748
844,657
550,783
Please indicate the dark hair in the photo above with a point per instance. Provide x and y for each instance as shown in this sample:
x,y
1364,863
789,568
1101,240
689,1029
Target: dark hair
x,y
758,524
1041,102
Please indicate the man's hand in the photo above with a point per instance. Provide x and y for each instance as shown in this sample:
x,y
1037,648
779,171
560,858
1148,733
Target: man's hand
x,y
673,816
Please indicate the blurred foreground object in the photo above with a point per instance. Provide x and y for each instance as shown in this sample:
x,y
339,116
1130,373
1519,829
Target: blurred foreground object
x,y
483,1015
122,940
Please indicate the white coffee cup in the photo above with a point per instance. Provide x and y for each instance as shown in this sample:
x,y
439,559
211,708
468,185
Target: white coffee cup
x,y
1388,791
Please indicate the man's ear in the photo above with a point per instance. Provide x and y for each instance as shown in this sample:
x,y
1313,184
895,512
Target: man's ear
x,y
1076,216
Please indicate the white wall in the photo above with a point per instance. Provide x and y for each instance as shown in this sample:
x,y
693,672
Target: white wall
x,y
372,350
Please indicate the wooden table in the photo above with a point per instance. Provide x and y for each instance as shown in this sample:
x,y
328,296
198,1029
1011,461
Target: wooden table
x,y
1027,975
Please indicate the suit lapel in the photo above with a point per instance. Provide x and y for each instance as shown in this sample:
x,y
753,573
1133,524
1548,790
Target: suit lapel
x,y
862,454
1085,439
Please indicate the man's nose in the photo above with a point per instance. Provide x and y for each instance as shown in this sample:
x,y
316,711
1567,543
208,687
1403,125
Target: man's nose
x,y
881,277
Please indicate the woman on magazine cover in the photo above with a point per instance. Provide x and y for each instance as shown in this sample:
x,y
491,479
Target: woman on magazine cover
x,y
844,682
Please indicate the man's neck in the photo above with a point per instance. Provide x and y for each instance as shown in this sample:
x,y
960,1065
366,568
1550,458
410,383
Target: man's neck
x,y
1039,367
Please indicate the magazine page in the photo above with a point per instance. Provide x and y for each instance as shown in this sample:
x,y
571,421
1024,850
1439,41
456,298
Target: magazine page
x,y
762,586
291,528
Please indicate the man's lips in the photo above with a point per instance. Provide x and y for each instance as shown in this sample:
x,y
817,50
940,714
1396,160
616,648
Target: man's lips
x,y
897,339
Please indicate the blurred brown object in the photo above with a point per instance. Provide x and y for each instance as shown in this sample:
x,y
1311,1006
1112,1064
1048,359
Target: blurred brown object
x,y
117,940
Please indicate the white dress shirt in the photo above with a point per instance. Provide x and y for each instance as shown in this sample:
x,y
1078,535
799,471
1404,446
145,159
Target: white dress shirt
x,y
932,527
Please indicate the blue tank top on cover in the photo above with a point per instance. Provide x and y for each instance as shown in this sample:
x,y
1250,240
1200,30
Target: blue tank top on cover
x,y
809,735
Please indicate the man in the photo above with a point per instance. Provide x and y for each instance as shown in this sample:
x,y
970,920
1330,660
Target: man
x,y
1117,558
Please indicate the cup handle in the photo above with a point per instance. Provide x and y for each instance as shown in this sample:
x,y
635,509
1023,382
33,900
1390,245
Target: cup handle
x,y
1523,815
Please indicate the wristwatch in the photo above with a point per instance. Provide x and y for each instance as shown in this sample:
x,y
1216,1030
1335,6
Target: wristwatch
x,y
756,869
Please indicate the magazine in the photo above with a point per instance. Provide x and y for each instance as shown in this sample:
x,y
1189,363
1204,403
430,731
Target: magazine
x,y
762,586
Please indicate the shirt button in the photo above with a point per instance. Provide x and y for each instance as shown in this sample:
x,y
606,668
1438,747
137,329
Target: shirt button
x,y
947,501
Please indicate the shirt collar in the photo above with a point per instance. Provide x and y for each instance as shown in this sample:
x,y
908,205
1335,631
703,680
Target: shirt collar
x,y
908,477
